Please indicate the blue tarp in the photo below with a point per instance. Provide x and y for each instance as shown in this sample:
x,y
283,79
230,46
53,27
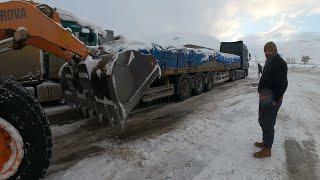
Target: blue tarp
x,y
188,57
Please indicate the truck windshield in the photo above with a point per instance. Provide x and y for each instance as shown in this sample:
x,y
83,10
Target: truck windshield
x,y
89,39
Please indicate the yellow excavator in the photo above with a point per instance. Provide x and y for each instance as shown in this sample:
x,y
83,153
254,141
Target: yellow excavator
x,y
106,86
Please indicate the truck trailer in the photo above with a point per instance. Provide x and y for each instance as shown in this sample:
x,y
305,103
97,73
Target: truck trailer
x,y
191,69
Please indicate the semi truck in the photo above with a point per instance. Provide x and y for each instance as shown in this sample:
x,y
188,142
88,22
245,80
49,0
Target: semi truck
x,y
108,82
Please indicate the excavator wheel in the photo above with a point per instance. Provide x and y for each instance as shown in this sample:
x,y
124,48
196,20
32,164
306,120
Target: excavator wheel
x,y
25,137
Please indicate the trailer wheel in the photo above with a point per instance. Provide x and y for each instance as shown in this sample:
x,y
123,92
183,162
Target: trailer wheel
x,y
25,136
198,85
183,87
209,81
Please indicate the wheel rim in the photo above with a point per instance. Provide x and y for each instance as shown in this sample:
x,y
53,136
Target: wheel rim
x,y
11,149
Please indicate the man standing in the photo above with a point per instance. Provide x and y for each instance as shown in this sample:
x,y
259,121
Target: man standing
x,y
272,86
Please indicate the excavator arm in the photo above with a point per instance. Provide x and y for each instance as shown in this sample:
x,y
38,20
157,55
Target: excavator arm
x,y
38,25
109,86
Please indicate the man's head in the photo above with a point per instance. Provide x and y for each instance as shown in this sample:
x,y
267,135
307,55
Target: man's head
x,y
270,49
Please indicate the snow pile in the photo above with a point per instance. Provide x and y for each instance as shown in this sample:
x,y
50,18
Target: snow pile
x,y
90,64
124,44
181,39
304,68
68,16
67,128
215,139
164,51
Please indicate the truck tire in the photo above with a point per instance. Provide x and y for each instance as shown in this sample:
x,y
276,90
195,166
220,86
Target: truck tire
x,y
183,87
198,85
22,114
209,81
232,76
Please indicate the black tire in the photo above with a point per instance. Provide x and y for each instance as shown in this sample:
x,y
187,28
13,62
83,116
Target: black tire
x,y
183,87
209,81
21,110
247,72
232,76
198,85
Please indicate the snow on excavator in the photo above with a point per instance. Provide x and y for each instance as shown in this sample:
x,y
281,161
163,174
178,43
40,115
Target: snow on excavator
x,y
107,86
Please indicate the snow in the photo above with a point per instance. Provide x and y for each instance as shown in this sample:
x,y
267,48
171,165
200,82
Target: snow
x,y
212,136
180,39
311,68
68,16
90,64
67,128
123,44
48,83
131,58
56,109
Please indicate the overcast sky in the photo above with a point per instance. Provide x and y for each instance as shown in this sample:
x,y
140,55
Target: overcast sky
x,y
255,21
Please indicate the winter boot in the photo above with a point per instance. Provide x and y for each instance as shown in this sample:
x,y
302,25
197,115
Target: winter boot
x,y
265,152
259,144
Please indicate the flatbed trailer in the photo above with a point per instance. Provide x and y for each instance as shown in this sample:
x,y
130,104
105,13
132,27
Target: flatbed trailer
x,y
192,69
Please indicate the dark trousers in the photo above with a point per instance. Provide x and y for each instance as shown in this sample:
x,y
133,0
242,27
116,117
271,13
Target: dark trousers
x,y
268,110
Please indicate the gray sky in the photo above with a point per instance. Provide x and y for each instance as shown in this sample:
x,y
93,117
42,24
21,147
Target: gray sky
x,y
255,21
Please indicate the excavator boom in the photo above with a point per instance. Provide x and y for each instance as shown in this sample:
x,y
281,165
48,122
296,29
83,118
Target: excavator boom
x,y
41,30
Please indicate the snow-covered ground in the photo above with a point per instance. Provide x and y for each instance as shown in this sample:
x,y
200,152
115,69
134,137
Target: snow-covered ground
x,y
210,136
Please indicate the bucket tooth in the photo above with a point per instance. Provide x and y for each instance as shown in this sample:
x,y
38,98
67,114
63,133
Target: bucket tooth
x,y
68,82
85,94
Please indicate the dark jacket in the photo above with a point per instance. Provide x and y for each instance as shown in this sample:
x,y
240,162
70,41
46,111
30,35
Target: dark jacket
x,y
274,77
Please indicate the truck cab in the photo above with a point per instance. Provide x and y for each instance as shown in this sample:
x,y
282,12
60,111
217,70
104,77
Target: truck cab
x,y
240,49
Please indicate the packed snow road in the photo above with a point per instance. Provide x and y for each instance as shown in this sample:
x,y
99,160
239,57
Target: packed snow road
x,y
210,136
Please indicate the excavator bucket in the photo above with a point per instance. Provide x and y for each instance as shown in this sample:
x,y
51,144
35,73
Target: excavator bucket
x,y
111,86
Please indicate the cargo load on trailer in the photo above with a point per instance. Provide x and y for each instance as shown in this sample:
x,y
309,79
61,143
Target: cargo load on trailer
x,y
188,69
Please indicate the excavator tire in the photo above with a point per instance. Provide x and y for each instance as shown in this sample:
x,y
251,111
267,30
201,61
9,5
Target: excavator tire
x,y
19,109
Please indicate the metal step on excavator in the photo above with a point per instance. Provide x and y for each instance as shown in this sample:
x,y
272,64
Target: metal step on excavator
x,y
107,86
